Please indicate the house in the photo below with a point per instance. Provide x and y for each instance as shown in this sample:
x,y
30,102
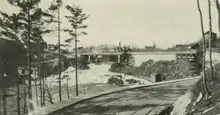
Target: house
x,y
214,40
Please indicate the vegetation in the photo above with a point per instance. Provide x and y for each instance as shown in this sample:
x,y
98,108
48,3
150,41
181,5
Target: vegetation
x,y
76,19
56,7
204,96
204,51
168,69
23,48
116,80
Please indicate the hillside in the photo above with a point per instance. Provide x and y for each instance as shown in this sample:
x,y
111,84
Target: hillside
x,y
194,102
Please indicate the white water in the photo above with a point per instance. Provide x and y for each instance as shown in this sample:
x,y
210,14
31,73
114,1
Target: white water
x,y
96,74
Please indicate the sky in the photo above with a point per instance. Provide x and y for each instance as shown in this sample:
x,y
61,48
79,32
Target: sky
x,y
136,22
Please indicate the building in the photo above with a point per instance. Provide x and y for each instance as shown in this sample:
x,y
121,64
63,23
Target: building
x,y
215,42
150,48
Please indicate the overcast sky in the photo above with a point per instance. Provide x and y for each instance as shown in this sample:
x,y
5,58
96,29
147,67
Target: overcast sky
x,y
137,22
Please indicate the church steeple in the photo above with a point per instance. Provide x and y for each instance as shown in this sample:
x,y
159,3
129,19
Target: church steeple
x,y
119,44
154,45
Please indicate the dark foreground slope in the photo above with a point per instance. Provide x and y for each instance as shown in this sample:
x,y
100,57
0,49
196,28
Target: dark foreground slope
x,y
194,102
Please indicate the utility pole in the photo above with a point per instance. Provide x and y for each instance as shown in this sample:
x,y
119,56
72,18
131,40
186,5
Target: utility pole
x,y
76,71
60,93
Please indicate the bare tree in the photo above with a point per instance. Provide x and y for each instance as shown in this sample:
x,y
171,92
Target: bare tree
x,y
210,39
204,50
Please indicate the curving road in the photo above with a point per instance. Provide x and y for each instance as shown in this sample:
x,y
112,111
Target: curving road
x,y
138,101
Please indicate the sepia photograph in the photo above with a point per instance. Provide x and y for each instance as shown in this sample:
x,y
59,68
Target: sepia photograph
x,y
109,57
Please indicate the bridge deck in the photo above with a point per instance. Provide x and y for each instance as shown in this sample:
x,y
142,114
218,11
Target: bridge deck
x,y
142,53
140,101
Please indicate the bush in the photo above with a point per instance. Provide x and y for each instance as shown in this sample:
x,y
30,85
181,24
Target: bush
x,y
129,73
116,80
83,63
116,67
133,81
168,69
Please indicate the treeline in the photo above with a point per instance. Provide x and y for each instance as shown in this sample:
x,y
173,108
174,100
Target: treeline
x,y
24,63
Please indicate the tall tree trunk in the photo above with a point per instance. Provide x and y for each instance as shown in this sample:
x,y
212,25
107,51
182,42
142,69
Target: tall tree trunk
x,y
60,88
43,77
5,101
18,95
36,87
25,100
49,94
210,40
67,87
37,75
29,58
40,78
76,72
40,69
204,50
43,88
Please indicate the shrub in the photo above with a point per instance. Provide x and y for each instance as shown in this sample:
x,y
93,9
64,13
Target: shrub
x,y
133,81
115,80
83,63
168,69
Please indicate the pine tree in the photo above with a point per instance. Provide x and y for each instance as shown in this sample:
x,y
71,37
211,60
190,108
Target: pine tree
x,y
29,18
11,24
55,7
76,19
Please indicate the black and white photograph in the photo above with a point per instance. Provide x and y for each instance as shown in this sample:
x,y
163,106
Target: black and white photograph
x,y
109,57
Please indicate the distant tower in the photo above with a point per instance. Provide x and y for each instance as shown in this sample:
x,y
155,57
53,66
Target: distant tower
x,y
119,44
154,45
